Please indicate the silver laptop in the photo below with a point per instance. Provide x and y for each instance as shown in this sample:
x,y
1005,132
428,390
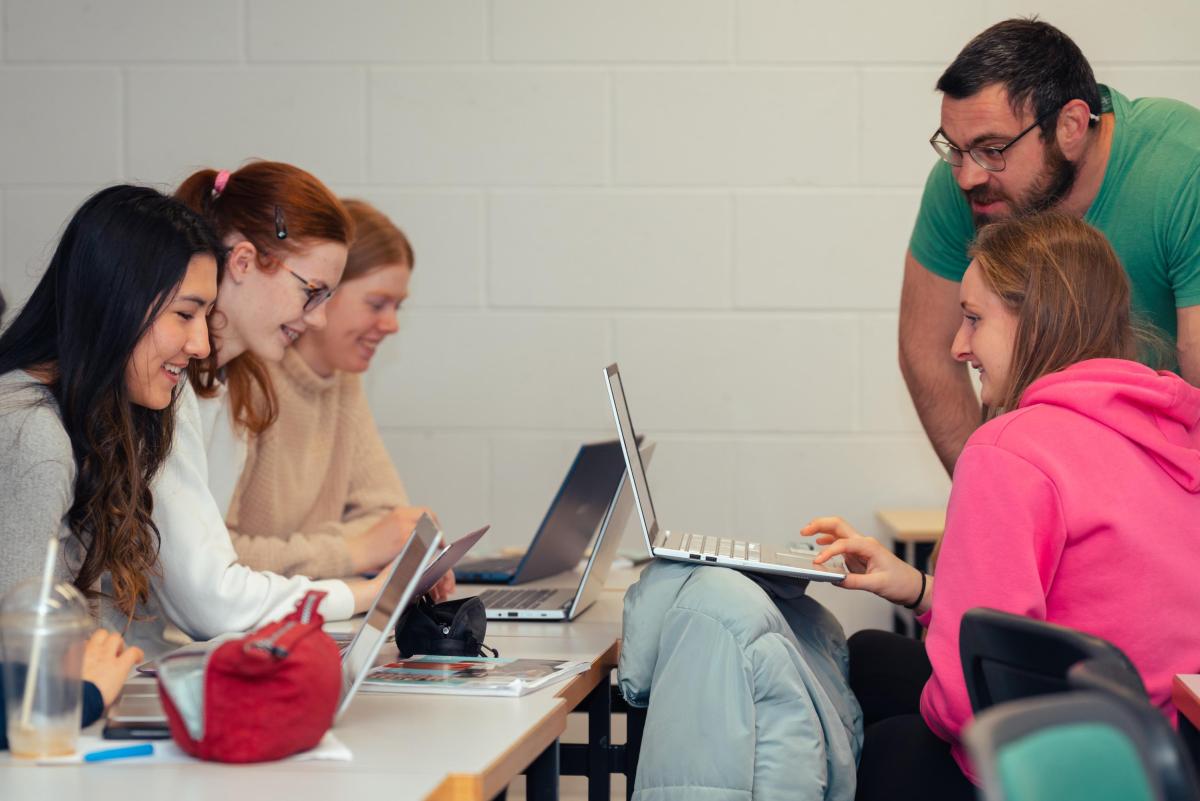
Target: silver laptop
x,y
139,714
407,571
540,603
752,556
569,525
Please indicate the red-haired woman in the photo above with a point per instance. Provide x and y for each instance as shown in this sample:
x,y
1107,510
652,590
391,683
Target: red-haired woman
x,y
319,495
286,237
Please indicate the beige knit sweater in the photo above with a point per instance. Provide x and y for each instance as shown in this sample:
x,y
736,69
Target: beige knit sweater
x,y
320,474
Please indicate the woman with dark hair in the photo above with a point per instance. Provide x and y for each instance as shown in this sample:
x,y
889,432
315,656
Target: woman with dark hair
x,y
285,238
88,372
319,495
1090,458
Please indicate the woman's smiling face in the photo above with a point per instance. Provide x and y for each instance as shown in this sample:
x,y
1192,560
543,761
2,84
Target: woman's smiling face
x,y
986,337
360,316
178,335
264,308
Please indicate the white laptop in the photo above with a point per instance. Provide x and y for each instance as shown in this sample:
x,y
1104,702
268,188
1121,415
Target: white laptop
x,y
539,603
751,556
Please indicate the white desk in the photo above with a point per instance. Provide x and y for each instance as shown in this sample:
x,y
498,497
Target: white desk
x,y
405,746
206,781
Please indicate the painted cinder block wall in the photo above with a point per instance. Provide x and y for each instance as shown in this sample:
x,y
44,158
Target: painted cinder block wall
x,y
716,193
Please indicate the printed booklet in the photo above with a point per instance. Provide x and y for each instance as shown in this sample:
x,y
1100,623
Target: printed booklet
x,y
469,675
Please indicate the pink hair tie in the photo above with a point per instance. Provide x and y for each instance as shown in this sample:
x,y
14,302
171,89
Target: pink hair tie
x,y
219,184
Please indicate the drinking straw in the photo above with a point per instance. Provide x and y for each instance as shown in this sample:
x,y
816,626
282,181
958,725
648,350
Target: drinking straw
x,y
43,608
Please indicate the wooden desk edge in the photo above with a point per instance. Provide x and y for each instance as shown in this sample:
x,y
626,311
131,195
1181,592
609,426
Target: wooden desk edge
x,y
924,531
577,688
1185,694
498,775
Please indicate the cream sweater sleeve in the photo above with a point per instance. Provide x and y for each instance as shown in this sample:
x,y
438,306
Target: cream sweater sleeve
x,y
374,488
320,551
202,588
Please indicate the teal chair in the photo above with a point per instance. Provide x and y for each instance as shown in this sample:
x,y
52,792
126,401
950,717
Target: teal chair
x,y
1077,746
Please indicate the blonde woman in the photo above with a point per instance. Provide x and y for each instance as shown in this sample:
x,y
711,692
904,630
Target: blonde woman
x,y
1077,497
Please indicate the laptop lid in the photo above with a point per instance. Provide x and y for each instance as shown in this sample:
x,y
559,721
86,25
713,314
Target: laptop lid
x,y
447,558
576,512
633,459
406,571
607,542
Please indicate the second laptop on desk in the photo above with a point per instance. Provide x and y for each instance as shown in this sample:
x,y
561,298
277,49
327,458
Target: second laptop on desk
x,y
566,604
578,508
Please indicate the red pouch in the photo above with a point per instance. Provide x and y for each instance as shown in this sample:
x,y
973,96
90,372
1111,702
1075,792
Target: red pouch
x,y
264,696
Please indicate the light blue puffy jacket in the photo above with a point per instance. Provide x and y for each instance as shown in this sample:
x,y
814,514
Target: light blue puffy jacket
x,y
747,693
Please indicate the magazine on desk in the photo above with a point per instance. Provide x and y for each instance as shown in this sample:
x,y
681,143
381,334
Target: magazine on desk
x,y
469,675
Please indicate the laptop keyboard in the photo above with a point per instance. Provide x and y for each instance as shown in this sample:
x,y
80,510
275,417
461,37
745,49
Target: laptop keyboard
x,y
514,599
721,546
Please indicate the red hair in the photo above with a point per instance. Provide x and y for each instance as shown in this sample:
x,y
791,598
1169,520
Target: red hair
x,y
246,204
378,242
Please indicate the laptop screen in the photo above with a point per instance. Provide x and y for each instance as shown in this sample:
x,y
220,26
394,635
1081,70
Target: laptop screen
x,y
576,512
360,656
633,459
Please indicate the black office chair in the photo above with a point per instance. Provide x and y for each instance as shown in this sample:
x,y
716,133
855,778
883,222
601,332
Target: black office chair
x,y
1086,745
1006,657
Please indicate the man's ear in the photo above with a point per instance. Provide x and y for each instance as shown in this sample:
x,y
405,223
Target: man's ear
x,y
242,258
1072,129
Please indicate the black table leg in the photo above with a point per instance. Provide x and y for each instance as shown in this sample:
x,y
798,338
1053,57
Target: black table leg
x,y
1191,739
541,777
599,712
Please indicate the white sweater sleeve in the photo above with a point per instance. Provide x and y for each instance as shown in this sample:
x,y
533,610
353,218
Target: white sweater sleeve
x,y
202,588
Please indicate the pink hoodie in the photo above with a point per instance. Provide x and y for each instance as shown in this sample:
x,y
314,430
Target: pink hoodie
x,y
1082,507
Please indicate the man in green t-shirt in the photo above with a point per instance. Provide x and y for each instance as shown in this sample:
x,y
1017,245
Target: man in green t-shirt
x,y
1131,168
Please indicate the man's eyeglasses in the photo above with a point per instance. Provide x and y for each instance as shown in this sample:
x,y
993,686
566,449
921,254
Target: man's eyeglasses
x,y
988,157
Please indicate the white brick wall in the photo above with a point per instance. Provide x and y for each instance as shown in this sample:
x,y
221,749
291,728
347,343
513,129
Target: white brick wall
x,y
45,139
490,126
359,31
610,250
182,118
717,193
612,31
735,127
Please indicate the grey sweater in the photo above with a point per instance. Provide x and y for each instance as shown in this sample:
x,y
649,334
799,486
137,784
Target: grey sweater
x,y
37,482
37,488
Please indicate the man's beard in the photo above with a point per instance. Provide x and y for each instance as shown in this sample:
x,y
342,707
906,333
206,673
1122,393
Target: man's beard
x,y
1052,185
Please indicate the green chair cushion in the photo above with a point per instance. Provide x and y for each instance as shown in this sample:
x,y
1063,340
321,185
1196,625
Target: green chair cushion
x,y
1091,761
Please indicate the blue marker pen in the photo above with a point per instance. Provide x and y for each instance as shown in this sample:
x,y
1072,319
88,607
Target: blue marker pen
x,y
145,749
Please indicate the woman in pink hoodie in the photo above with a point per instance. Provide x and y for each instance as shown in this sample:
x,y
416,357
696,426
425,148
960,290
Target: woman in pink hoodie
x,y
1076,503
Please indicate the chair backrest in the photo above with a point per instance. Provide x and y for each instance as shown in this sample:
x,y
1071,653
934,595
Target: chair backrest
x,y
1077,745
1006,657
